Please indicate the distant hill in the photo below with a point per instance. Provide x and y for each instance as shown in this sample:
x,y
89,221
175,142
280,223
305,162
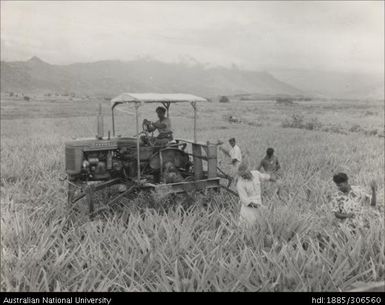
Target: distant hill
x,y
109,78
334,84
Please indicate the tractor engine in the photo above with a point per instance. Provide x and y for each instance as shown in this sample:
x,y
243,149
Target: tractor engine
x,y
99,158
84,162
100,165
93,160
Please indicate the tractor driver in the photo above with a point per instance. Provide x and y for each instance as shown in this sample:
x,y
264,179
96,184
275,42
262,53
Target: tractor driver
x,y
163,125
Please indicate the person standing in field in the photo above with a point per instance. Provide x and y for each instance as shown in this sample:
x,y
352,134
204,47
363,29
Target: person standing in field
x,y
349,202
236,157
249,191
270,165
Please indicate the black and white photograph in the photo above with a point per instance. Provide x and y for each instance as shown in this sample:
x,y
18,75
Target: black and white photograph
x,y
192,146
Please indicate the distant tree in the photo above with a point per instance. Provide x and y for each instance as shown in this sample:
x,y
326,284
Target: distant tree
x,y
11,94
27,98
224,99
284,100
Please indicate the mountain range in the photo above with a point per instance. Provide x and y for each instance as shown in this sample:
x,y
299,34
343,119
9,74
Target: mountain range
x,y
111,77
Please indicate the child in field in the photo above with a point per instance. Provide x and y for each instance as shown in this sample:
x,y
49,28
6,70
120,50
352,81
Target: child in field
x,y
349,202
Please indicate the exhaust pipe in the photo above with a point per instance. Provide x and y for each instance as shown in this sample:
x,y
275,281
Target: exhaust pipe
x,y
99,122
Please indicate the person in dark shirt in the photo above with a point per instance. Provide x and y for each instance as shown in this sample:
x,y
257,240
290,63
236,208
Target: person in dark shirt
x,y
271,166
270,163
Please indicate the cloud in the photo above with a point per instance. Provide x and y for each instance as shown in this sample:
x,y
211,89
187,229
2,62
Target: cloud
x,y
255,35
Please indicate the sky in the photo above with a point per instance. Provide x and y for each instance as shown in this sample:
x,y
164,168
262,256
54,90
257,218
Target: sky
x,y
254,35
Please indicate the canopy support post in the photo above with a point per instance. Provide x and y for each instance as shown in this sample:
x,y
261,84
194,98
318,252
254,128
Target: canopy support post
x,y
113,122
137,139
194,105
196,148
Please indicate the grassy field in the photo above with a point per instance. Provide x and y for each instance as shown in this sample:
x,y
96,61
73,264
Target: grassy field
x,y
160,246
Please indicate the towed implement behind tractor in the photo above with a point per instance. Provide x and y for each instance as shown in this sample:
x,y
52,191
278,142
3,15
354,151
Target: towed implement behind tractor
x,y
179,166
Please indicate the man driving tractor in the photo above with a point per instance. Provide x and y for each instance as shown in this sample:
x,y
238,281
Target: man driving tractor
x,y
163,125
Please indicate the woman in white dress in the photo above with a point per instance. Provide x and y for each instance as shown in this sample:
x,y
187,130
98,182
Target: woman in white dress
x,y
249,191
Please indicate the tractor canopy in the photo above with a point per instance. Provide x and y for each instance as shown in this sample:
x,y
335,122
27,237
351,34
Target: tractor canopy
x,y
155,98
